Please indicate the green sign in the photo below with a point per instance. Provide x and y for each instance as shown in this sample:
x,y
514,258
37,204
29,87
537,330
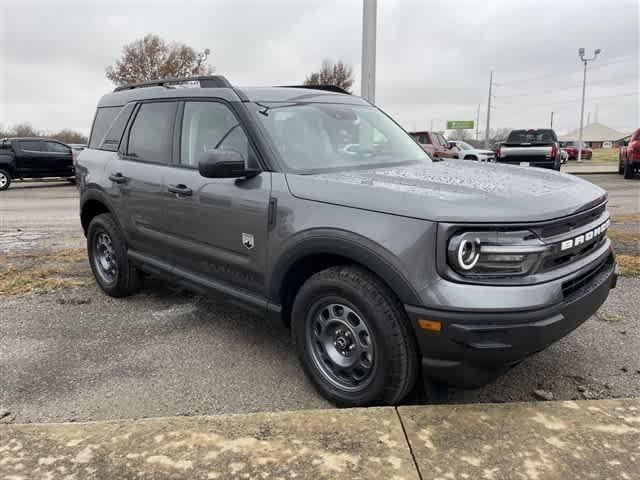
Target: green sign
x,y
460,124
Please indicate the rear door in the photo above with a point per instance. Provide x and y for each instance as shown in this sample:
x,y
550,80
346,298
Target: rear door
x,y
137,175
217,227
59,159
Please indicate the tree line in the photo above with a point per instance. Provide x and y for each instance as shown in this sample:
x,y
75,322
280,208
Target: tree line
x,y
65,135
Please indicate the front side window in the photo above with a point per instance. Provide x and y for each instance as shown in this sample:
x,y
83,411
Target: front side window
x,y
150,138
31,146
209,126
318,136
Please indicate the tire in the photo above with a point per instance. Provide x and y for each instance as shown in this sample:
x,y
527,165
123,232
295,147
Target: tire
x,y
107,250
353,312
5,179
620,168
628,170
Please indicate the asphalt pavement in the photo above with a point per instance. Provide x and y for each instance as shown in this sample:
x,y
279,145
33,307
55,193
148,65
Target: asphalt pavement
x,y
79,355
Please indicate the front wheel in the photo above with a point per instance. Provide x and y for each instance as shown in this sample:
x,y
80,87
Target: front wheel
x,y
5,179
108,258
353,338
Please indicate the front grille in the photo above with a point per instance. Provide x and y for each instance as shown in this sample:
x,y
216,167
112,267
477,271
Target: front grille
x,y
566,225
585,280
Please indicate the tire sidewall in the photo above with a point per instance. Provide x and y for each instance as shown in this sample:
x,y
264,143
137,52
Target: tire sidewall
x,y
313,294
104,224
8,175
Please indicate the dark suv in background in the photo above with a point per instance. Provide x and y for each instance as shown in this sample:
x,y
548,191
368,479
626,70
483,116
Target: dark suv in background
x,y
34,157
315,208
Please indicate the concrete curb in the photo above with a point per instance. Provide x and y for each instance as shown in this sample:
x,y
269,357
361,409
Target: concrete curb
x,y
544,440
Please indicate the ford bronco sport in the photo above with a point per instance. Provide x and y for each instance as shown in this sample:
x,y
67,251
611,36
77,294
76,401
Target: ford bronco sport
x,y
314,207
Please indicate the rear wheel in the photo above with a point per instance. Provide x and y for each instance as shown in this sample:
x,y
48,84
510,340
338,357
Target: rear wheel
x,y
108,257
5,179
353,338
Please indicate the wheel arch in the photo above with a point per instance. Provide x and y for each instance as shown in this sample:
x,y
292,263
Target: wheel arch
x,y
93,203
316,251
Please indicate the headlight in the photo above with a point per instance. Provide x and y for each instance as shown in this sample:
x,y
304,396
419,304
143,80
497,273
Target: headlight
x,y
487,254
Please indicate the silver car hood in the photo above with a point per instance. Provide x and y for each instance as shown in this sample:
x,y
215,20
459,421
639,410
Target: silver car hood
x,y
453,191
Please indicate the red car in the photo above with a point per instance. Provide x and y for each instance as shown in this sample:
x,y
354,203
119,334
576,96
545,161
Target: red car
x,y
572,150
629,156
435,144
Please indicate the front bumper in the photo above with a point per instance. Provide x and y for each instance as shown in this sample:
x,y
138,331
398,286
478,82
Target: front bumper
x,y
473,348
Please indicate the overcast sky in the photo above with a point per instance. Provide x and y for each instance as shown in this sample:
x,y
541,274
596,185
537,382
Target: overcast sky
x,y
433,63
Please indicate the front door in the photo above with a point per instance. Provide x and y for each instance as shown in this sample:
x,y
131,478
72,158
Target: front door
x,y
218,227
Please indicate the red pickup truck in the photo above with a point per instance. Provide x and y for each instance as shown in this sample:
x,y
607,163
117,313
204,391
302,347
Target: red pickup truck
x,y
435,144
629,156
572,150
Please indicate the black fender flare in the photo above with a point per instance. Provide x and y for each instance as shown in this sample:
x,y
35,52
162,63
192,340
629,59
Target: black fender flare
x,y
8,163
98,195
346,244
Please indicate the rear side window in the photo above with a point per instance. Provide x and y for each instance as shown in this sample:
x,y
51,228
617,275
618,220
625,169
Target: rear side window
x,y
112,139
102,122
57,148
150,137
423,138
31,146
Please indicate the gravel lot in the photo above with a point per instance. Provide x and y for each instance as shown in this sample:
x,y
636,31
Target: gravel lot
x,y
78,355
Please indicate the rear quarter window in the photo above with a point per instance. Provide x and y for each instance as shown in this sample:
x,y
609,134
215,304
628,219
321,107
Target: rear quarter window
x,y
103,120
113,137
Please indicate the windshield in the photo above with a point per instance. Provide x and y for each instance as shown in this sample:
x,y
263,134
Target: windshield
x,y
464,146
318,136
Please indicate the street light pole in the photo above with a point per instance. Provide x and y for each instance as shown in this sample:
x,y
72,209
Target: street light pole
x,y
584,84
486,133
369,20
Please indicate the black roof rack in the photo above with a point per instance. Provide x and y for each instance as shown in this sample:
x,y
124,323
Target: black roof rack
x,y
328,88
206,81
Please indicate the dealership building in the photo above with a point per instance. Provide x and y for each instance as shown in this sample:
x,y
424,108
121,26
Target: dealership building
x,y
596,135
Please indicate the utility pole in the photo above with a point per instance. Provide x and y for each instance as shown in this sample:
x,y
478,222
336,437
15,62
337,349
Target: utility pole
x,y
551,121
369,20
477,122
584,84
486,133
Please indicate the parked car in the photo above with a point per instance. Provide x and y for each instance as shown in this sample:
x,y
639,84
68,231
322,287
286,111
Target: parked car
x,y
31,157
533,147
76,148
629,156
435,144
383,263
468,152
564,157
572,150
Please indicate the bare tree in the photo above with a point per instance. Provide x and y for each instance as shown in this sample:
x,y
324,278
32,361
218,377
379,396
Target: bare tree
x,y
69,136
338,74
152,58
459,134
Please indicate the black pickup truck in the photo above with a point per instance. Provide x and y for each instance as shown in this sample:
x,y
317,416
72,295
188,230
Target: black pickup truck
x,y
34,158
535,148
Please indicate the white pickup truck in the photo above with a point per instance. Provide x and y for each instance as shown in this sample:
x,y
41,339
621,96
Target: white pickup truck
x,y
535,148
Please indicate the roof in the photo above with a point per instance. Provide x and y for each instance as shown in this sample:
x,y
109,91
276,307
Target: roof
x,y
595,132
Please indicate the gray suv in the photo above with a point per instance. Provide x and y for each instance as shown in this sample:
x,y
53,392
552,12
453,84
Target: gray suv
x,y
313,207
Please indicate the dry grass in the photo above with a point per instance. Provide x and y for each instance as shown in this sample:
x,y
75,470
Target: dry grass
x,y
629,265
630,218
623,236
46,273
608,155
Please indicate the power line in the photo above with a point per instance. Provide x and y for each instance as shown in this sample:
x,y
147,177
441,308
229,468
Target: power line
x,y
548,104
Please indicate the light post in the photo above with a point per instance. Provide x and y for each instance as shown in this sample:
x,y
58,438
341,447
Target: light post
x,y
369,20
584,83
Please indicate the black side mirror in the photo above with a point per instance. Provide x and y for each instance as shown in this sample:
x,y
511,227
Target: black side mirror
x,y
224,164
